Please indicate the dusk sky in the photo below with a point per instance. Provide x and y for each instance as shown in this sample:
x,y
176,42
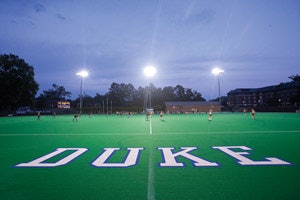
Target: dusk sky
x,y
256,42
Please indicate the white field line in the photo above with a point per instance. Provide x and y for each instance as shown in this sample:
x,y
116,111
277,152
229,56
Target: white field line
x,y
120,134
21,121
150,187
150,126
71,134
228,132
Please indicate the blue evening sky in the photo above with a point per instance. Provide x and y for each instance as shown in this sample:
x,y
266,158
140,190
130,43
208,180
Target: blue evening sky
x,y
256,42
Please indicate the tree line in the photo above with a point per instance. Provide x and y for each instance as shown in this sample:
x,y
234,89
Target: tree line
x,y
19,88
120,97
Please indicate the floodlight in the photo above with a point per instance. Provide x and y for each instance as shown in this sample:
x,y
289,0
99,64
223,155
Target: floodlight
x,y
217,71
150,71
83,73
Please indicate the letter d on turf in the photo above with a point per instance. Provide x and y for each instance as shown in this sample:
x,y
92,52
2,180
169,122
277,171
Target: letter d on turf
x,y
39,162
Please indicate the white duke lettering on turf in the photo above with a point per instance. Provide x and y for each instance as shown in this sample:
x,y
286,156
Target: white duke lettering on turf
x,y
39,162
130,160
170,158
246,161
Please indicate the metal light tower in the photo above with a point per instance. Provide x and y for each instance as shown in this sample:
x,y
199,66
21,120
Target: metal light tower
x,y
82,75
218,72
149,72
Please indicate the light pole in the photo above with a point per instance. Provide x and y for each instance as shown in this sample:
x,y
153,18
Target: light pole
x,y
217,71
82,75
149,72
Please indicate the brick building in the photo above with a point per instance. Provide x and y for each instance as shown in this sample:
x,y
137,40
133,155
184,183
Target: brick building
x,y
285,96
192,106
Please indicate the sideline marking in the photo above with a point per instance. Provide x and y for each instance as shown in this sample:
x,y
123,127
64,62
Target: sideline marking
x,y
150,125
118,134
70,134
150,187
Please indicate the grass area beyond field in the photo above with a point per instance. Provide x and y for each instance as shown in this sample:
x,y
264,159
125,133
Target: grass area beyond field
x,y
270,135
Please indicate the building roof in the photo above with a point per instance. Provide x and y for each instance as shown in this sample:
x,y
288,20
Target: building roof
x,y
192,103
243,90
282,86
293,84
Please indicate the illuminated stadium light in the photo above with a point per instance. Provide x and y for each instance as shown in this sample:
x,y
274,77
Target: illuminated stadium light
x,y
82,74
217,71
150,71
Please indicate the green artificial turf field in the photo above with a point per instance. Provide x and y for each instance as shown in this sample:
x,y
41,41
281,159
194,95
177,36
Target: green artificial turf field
x,y
154,170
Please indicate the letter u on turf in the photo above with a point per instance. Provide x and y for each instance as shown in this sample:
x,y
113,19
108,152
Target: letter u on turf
x,y
130,160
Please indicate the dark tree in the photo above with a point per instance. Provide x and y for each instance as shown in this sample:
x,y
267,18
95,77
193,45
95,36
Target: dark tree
x,y
116,94
18,87
88,101
98,99
140,96
40,102
50,97
56,92
180,93
295,77
121,94
169,94
186,94
197,96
